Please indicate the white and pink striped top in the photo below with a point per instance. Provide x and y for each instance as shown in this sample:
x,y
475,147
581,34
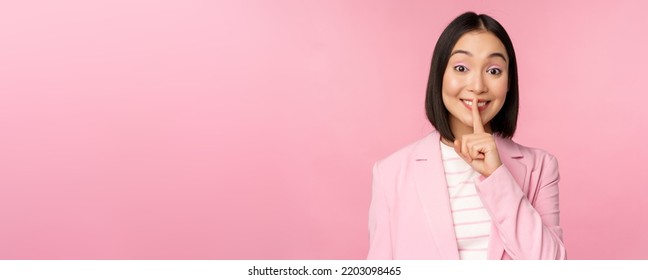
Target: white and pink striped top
x,y
472,223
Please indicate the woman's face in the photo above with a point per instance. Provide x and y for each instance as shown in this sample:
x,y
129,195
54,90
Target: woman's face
x,y
478,68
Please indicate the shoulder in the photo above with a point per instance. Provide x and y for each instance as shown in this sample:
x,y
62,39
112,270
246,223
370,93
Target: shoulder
x,y
531,155
401,157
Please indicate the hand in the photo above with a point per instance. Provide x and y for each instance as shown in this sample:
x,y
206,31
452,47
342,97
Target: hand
x,y
478,149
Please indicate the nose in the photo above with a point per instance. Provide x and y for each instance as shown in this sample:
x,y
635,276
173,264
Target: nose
x,y
476,84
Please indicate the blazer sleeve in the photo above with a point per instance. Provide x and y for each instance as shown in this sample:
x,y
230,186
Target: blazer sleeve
x,y
527,230
379,219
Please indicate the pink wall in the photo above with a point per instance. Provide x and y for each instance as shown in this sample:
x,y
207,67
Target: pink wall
x,y
241,130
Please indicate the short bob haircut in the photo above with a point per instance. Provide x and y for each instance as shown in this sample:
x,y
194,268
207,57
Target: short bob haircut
x,y
505,122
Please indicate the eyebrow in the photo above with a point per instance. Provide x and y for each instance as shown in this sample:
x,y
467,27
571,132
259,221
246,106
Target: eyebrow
x,y
495,54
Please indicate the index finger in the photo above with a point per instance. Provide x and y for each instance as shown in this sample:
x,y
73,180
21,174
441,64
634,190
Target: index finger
x,y
478,127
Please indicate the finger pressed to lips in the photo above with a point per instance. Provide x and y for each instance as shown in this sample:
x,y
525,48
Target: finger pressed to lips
x,y
478,127
471,146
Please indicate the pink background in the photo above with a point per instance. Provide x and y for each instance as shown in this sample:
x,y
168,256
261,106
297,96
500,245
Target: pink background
x,y
247,129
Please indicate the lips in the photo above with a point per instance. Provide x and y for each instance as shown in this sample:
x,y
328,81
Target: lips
x,y
481,104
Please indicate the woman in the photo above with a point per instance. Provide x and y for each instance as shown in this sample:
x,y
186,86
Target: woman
x,y
466,191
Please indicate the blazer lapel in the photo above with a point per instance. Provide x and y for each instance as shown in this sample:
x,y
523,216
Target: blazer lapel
x,y
428,173
510,155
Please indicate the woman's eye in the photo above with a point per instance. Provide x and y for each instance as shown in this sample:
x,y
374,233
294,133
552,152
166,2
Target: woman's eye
x,y
494,71
461,68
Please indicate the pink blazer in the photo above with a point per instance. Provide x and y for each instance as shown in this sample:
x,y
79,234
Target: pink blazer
x,y
410,218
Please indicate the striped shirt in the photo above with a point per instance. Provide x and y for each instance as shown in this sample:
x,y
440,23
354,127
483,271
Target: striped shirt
x,y
472,223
